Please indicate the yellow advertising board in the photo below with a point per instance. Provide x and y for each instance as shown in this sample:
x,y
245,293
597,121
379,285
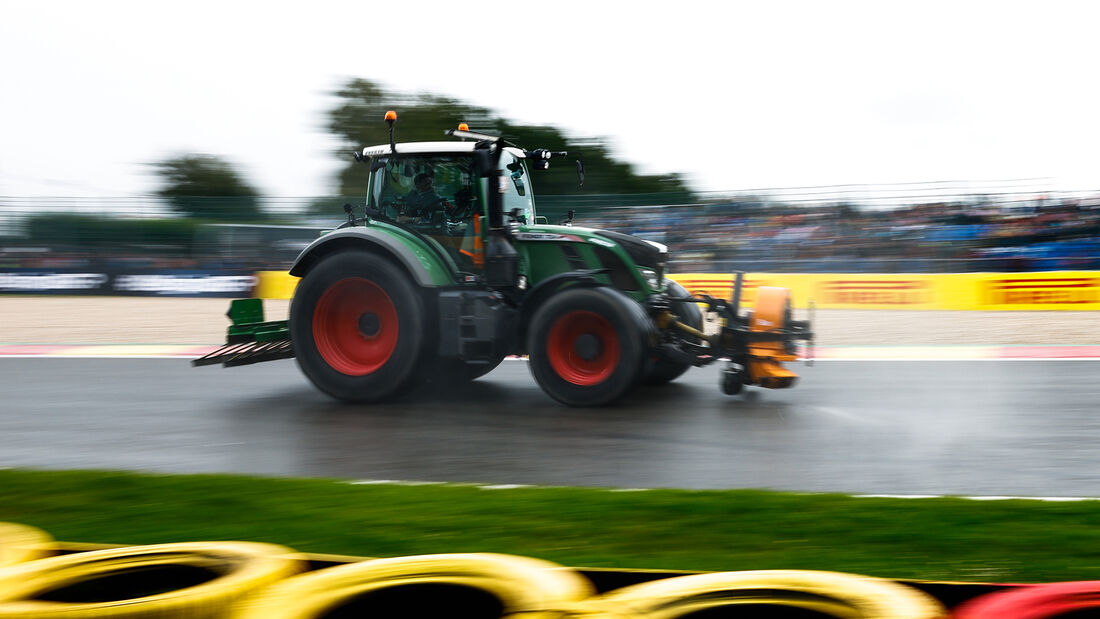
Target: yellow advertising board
x,y
860,291
1055,290
721,285
1064,290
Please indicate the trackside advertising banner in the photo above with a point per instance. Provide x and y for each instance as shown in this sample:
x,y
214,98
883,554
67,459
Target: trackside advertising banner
x,y
1056,290
124,282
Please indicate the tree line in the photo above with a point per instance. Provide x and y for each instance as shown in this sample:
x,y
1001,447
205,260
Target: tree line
x,y
207,187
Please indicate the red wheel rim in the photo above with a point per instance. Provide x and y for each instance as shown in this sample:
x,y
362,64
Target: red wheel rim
x,y
563,341
339,319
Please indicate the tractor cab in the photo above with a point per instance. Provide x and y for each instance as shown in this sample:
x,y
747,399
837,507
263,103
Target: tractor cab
x,y
439,190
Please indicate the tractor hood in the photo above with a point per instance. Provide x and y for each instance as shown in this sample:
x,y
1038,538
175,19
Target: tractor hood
x,y
644,253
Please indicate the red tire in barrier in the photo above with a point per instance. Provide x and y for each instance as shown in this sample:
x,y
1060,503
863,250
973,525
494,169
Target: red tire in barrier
x,y
1034,601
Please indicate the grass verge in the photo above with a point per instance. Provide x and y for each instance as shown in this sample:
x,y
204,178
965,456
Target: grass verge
x,y
934,539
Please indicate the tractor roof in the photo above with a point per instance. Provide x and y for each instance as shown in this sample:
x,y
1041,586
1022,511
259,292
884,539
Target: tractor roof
x,y
413,148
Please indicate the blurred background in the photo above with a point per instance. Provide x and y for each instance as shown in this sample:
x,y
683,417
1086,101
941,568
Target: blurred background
x,y
211,139
813,230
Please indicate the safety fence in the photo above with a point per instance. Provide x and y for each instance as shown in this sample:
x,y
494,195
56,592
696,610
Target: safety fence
x,y
1013,225
118,280
1054,290
249,580
1059,290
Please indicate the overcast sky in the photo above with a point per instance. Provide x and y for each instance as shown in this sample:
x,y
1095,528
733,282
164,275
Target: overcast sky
x,y
736,95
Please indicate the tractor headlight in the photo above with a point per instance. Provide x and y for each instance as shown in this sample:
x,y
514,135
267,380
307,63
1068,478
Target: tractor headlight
x,y
651,278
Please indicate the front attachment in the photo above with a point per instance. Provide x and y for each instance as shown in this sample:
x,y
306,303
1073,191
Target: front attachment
x,y
250,339
757,343
771,318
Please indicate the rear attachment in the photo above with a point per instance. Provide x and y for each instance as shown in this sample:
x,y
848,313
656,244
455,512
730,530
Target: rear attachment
x,y
250,339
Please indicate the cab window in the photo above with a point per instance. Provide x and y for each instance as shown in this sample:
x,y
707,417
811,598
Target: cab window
x,y
518,183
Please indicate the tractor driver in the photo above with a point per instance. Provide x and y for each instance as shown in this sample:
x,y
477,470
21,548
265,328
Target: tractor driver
x,y
422,202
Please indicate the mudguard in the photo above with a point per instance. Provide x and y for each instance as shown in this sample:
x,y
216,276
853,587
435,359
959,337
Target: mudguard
x,y
546,288
427,267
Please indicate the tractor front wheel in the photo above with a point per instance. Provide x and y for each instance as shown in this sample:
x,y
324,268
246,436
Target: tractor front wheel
x,y
356,323
663,371
587,346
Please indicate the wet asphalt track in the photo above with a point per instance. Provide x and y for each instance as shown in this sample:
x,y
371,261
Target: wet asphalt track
x,y
1025,428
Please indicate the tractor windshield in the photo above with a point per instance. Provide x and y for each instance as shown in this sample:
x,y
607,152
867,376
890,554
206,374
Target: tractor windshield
x,y
423,190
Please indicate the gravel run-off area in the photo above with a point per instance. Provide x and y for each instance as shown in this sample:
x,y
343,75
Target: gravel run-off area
x,y
143,320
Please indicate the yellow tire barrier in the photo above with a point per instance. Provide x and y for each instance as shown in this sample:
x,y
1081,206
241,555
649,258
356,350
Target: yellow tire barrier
x,y
480,584
832,594
20,543
163,581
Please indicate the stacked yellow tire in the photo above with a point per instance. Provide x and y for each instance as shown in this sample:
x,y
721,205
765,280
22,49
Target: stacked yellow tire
x,y
247,580
466,585
754,593
195,580
20,543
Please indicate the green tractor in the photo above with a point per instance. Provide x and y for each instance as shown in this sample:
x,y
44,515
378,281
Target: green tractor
x,y
449,271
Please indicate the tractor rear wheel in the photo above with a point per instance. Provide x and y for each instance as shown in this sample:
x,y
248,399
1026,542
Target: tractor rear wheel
x,y
587,346
663,371
356,322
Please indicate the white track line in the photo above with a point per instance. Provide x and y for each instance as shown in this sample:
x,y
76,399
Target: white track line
x,y
399,482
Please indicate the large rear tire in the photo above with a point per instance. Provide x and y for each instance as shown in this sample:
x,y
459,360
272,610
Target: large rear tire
x,y
664,371
357,323
587,346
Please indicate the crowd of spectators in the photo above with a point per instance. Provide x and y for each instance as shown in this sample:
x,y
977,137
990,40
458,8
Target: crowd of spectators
x,y
1038,234
1010,233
